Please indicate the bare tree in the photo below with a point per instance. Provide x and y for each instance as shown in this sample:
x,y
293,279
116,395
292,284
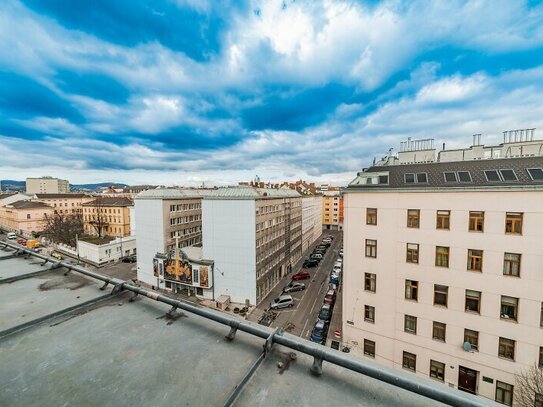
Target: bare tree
x,y
64,228
528,386
98,218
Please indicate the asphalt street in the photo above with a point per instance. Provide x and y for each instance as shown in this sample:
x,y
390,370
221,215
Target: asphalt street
x,y
300,319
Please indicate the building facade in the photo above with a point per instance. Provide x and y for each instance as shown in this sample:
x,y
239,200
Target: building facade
x,y
443,260
65,204
25,218
105,216
47,185
311,220
332,209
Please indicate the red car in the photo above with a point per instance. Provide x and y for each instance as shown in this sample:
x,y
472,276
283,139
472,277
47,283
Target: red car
x,y
302,275
330,297
22,242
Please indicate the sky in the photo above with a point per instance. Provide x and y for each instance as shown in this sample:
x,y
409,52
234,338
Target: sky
x,y
185,92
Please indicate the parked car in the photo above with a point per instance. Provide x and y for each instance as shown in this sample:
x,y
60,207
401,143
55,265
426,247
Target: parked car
x,y
317,256
317,335
334,279
22,242
283,301
325,313
322,246
294,286
331,237
33,244
326,240
57,255
337,267
310,263
341,252
301,275
319,251
129,259
326,243
330,297
12,236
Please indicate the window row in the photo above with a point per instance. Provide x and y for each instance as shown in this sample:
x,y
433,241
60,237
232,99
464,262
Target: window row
x,y
513,220
185,207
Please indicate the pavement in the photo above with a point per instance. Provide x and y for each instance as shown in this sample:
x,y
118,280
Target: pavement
x,y
300,319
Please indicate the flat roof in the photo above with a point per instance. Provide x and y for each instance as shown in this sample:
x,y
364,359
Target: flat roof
x,y
172,193
251,193
66,342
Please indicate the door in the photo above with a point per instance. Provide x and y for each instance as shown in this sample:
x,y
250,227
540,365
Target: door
x,y
467,379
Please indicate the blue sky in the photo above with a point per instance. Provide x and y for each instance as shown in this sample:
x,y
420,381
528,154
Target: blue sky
x,y
186,91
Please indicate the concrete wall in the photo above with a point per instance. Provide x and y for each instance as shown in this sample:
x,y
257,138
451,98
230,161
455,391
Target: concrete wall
x,y
311,220
105,253
392,270
228,229
149,215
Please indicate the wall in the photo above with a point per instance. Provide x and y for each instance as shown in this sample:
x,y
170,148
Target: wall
x,y
105,253
16,219
311,220
228,229
150,225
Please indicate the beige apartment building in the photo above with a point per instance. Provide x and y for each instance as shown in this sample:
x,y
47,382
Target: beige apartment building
x,y
65,204
47,185
443,264
25,218
105,216
332,209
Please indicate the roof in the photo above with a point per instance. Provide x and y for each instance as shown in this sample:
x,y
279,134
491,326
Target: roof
x,y
436,178
248,192
27,205
110,201
69,343
171,193
62,196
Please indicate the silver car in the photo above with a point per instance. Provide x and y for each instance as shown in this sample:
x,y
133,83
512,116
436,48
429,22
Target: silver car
x,y
294,286
283,301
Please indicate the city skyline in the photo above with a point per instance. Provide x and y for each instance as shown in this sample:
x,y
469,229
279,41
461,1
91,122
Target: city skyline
x,y
192,91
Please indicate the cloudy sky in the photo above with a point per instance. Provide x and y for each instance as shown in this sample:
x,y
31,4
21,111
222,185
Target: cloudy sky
x,y
186,91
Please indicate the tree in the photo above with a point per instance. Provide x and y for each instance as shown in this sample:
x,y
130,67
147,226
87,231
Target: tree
x,y
64,228
98,218
529,384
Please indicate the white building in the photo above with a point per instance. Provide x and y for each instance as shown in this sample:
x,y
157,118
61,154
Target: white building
x,y
443,267
311,219
108,251
47,185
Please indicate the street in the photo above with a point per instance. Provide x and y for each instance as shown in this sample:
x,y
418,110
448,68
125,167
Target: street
x,y
300,319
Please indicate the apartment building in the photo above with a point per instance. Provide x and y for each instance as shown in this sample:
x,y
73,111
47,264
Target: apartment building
x,y
311,219
163,217
332,208
47,185
443,263
65,204
106,216
25,218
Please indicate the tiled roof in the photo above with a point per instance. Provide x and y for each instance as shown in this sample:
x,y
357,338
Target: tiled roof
x,y
247,192
436,179
110,201
172,193
28,205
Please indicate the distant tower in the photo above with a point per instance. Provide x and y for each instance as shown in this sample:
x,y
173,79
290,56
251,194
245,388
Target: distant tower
x,y
257,179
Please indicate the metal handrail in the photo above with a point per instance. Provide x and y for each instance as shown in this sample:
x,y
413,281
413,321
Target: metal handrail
x,y
319,353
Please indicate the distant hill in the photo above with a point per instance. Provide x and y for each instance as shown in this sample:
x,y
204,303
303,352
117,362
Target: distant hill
x,y
11,185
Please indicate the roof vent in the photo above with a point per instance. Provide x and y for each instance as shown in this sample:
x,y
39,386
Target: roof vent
x,y
518,136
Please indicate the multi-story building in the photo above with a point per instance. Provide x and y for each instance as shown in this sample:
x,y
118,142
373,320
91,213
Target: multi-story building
x,y
65,204
332,209
443,263
164,216
311,219
47,185
25,217
105,216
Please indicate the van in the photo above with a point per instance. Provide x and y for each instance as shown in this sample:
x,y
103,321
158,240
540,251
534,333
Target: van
x,y
33,244
282,301
12,236
317,335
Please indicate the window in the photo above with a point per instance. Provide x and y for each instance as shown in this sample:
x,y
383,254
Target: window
x,y
536,174
506,348
412,253
509,308
472,337
541,316
371,248
443,220
511,264
369,313
413,218
513,223
538,402
450,176
492,176
409,178
504,393
411,290
475,260
383,179
410,324
476,221
28,216
541,356
437,370
422,178
473,301
409,361
464,176
369,348
441,292
508,175
439,331
371,216
442,256
370,282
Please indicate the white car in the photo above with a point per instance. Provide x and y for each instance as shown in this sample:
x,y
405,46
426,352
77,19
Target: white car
x,y
337,269
12,236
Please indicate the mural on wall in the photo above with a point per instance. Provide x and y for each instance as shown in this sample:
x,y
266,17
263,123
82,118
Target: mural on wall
x,y
178,270
155,267
204,276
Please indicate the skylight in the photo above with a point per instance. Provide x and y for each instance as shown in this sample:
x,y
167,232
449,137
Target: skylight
x,y
450,176
464,176
508,175
492,176
536,174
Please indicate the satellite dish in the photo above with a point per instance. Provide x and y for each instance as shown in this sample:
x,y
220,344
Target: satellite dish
x,y
467,346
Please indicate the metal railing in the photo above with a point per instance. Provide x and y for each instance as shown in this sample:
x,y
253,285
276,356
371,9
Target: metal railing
x,y
318,352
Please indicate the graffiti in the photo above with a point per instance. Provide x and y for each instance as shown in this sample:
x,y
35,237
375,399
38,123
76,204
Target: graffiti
x,y
204,279
182,273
